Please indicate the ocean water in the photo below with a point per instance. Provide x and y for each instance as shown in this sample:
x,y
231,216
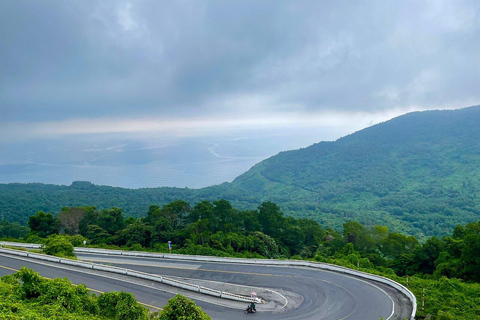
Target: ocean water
x,y
125,163
137,161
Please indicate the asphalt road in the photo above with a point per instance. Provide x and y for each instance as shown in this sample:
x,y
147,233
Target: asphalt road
x,y
303,293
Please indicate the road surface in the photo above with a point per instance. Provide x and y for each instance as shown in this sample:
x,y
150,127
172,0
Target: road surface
x,y
293,292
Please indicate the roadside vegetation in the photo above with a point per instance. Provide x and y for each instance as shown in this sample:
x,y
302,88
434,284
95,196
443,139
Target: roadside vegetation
x,y
28,296
446,268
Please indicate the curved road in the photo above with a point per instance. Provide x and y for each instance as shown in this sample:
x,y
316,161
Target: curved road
x,y
302,293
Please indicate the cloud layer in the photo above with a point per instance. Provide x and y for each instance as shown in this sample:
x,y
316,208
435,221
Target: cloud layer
x,y
63,60
198,77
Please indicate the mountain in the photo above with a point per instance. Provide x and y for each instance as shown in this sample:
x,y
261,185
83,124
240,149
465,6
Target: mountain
x,y
418,173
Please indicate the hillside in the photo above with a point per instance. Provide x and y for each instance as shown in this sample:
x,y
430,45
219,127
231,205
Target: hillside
x,y
18,200
418,173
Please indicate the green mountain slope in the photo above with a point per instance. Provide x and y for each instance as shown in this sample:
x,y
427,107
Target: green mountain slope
x,y
18,200
418,173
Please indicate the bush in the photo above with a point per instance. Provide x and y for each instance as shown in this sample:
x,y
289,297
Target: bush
x,y
59,246
33,238
72,298
121,306
182,308
136,247
26,295
32,285
76,240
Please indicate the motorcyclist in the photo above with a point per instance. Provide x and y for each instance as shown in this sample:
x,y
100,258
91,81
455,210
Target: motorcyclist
x,y
251,307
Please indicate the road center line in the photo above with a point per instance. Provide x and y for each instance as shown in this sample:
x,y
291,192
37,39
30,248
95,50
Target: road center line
x,y
181,268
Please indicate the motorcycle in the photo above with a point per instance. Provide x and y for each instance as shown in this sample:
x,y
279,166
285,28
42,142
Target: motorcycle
x,y
250,309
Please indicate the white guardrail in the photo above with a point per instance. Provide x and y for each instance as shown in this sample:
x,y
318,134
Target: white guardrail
x,y
132,273
297,263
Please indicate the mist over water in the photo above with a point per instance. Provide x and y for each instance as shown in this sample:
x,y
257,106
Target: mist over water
x,y
147,161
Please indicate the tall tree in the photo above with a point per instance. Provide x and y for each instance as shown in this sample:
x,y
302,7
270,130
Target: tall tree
x,y
111,220
176,212
135,233
43,224
270,218
202,210
70,218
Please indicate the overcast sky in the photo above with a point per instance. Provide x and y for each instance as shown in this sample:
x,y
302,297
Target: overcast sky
x,y
237,80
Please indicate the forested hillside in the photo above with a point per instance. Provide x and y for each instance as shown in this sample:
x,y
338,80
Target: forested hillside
x,y
18,201
418,173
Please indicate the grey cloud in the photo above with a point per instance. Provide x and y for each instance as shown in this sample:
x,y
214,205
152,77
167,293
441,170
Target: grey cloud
x,y
81,59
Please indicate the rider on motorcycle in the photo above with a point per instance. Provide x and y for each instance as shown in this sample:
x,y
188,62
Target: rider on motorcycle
x,y
251,307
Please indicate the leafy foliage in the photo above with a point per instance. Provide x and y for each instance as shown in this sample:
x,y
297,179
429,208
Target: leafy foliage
x,y
181,308
121,306
220,229
217,228
416,174
43,224
26,295
12,230
59,246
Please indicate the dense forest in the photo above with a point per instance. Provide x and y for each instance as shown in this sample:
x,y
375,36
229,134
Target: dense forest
x,y
217,228
417,174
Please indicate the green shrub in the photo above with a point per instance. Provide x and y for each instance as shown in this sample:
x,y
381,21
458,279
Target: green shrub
x,y
121,306
76,240
182,308
59,246
136,247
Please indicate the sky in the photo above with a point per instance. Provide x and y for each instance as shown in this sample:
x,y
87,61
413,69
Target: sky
x,y
193,93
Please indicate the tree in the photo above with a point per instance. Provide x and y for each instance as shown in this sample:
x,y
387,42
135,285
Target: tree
x,y
90,217
111,220
357,234
96,234
182,308
69,220
222,211
135,233
43,224
162,231
250,220
471,257
265,245
199,231
176,212
202,210
292,236
396,244
314,234
152,214
470,252
13,230
426,255
270,218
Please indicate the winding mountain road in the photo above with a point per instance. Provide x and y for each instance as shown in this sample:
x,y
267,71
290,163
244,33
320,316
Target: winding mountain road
x,y
290,292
